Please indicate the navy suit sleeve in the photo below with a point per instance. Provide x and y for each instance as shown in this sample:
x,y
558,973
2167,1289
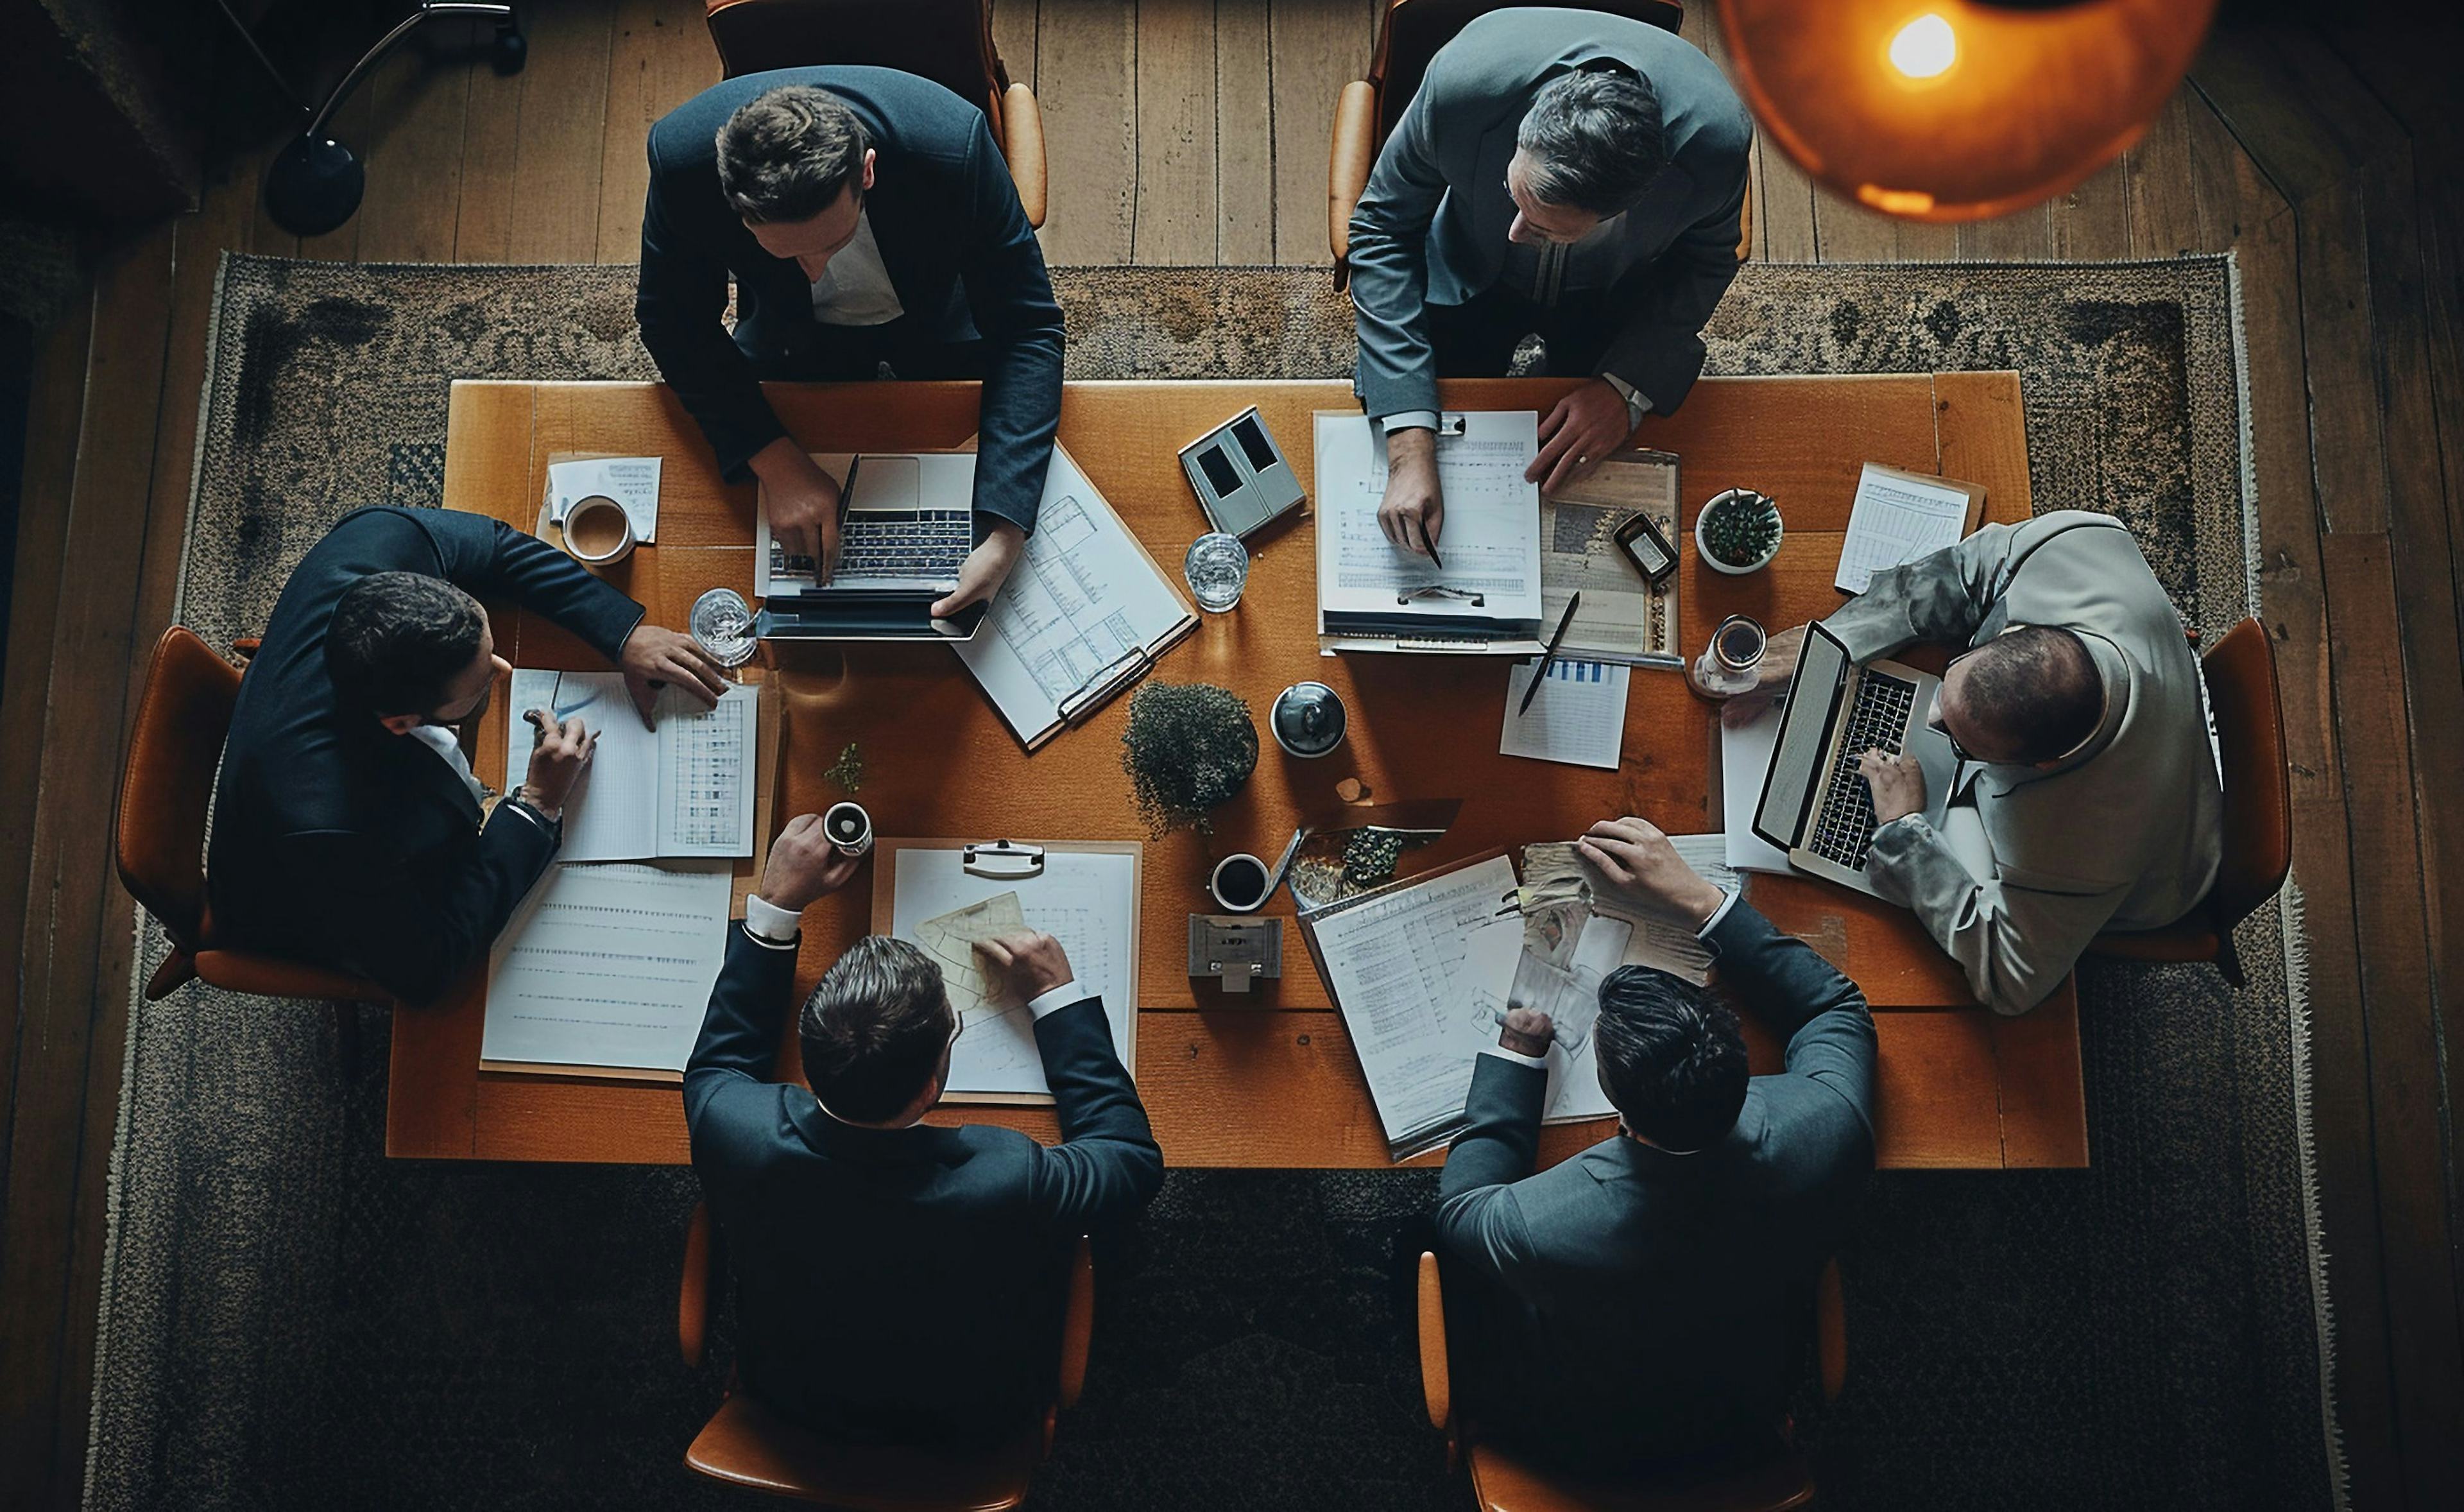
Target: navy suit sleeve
x,y
1831,1033
727,1081
490,558
1106,1164
414,927
1479,1218
1010,297
679,300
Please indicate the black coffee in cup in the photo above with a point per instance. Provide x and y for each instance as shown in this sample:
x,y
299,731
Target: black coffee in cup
x,y
1240,883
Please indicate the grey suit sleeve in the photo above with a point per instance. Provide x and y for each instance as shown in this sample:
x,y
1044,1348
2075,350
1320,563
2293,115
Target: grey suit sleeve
x,y
1479,1218
1946,597
1390,267
1830,1030
2015,944
1659,347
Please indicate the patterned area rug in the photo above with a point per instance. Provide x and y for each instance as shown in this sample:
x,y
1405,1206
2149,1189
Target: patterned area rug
x,y
292,1321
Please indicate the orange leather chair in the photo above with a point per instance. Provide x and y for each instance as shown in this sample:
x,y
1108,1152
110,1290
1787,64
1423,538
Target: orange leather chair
x,y
164,797
2240,669
1368,108
746,1444
1502,1481
947,41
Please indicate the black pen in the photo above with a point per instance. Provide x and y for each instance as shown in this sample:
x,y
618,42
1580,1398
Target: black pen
x,y
1431,541
1549,655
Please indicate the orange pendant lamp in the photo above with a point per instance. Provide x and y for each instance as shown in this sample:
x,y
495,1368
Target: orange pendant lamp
x,y
1950,110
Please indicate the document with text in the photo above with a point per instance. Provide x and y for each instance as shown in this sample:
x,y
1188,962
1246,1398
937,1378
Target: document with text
x,y
1900,516
683,788
609,965
1418,1005
1487,563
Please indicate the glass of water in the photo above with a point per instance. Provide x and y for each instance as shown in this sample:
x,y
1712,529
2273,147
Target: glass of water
x,y
1217,569
722,622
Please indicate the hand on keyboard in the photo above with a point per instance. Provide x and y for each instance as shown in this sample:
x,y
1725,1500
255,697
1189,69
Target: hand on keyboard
x,y
1898,784
987,569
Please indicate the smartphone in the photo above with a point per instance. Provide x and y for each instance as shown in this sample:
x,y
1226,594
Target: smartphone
x,y
1646,548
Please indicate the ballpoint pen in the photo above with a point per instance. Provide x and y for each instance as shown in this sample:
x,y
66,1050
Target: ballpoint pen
x,y
1549,655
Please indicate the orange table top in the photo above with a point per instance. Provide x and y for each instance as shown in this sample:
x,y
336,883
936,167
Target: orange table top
x,y
1266,1079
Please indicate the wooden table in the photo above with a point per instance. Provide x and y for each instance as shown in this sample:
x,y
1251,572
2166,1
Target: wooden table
x,y
1269,1079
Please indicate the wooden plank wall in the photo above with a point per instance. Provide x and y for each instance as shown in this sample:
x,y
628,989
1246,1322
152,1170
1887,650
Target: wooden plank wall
x,y
1194,132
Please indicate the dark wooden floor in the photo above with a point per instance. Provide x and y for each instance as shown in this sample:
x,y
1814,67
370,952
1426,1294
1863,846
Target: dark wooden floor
x,y
2323,153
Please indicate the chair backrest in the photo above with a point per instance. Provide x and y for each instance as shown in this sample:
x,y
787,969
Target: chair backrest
x,y
1416,29
167,789
2258,802
947,41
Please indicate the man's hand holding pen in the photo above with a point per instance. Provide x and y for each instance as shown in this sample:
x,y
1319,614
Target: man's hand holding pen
x,y
558,753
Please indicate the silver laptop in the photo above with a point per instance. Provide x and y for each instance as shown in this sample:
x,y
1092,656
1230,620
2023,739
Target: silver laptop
x,y
1814,806
906,526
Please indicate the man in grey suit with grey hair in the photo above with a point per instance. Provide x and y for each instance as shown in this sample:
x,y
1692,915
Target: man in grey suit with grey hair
x,y
2088,795
1567,173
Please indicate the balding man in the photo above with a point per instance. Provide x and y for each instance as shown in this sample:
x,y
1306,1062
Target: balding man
x,y
2088,795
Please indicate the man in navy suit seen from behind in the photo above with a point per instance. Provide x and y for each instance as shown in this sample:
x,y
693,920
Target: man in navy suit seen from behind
x,y
897,1284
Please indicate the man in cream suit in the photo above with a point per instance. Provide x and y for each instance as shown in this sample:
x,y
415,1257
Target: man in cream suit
x,y
2088,795
1560,172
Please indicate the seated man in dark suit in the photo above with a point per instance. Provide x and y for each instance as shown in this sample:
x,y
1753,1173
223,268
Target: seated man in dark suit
x,y
897,1284
1559,172
869,221
1651,1299
348,828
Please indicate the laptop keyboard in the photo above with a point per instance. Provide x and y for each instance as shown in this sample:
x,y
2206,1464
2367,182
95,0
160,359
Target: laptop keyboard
x,y
906,543
1844,827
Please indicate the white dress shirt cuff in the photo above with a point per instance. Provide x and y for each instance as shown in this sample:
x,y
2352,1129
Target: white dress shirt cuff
x,y
770,924
1060,997
1541,1062
1408,420
1717,913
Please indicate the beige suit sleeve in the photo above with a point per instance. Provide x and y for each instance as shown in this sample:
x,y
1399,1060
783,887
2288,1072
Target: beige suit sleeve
x,y
2015,944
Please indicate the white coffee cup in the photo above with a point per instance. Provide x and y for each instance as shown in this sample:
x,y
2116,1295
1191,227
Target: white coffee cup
x,y
597,532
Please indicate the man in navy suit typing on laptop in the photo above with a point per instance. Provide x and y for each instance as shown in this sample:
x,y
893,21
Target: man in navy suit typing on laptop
x,y
868,222
898,1284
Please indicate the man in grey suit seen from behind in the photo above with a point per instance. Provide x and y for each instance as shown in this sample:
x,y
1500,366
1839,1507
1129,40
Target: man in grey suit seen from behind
x,y
1651,1299
1564,172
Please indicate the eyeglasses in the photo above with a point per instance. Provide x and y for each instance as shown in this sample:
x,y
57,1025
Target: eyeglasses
x,y
1940,726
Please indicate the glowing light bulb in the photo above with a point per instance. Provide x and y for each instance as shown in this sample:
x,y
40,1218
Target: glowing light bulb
x,y
1924,48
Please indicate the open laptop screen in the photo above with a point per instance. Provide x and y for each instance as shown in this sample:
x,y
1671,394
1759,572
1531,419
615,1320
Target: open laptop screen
x,y
1804,736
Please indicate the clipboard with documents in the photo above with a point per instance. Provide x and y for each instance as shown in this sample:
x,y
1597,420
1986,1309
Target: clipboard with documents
x,y
1399,963
1481,594
1084,893
1085,614
1898,516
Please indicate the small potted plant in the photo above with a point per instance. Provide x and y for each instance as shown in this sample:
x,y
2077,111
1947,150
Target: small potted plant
x,y
1738,531
1189,747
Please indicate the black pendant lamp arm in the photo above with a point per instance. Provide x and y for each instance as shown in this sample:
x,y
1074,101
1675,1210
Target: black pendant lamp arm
x,y
429,9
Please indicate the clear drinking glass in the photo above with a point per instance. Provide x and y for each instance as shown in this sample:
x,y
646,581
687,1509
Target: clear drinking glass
x,y
722,622
1217,569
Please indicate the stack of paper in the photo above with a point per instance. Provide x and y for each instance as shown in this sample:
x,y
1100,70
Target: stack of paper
x,y
1482,590
1746,749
